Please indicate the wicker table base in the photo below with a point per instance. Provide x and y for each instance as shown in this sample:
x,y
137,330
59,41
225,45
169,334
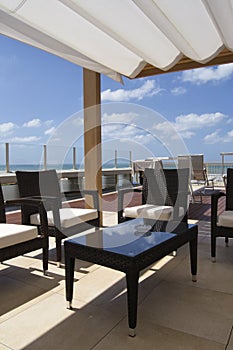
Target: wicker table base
x,y
127,248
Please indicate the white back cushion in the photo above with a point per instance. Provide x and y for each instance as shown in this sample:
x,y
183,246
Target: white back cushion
x,y
149,211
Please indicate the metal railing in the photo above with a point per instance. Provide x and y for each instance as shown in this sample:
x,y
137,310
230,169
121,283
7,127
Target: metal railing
x,y
212,168
224,165
43,163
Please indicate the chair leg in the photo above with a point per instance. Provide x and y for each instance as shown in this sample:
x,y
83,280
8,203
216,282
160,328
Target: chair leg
x,y
58,251
45,260
227,241
213,247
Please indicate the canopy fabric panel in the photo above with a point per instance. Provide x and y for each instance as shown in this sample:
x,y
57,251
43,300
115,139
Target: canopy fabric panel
x,y
122,37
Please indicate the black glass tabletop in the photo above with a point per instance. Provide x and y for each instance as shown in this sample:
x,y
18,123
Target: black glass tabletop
x,y
131,237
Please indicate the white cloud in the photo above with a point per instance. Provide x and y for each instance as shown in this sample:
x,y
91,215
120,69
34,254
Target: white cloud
x,y
186,125
195,121
125,126
121,126
147,89
7,128
228,137
204,75
230,134
34,123
50,131
165,130
124,132
179,90
24,139
48,123
79,121
229,121
213,138
119,117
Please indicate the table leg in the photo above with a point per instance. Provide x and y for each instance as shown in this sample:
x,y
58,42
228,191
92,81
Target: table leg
x,y
69,268
213,247
193,256
132,296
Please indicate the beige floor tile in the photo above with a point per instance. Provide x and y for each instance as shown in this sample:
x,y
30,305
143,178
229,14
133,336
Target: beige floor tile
x,y
3,347
170,264
107,288
153,336
94,285
230,343
157,272
223,253
204,227
55,278
196,311
60,328
21,261
215,276
33,275
173,313
17,296
105,285
4,268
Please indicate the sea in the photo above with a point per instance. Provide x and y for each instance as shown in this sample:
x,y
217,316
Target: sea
x,y
68,166
212,168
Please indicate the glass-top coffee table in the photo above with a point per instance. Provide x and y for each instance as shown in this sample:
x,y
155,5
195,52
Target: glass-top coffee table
x,y
129,247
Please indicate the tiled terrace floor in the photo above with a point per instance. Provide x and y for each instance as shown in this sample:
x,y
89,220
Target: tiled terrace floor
x,y
174,313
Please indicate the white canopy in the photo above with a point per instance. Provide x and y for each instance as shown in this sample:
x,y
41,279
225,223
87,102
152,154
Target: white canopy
x,y
120,37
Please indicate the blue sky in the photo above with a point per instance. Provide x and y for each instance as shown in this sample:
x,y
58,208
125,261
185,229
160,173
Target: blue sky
x,y
39,91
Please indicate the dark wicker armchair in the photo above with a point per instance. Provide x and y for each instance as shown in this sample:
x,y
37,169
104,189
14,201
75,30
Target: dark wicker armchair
x,y
19,239
63,222
164,196
222,223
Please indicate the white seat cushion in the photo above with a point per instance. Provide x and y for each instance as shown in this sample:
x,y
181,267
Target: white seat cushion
x,y
226,219
149,211
68,216
11,234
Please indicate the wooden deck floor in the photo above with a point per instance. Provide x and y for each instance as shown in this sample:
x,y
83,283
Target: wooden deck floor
x,y
197,211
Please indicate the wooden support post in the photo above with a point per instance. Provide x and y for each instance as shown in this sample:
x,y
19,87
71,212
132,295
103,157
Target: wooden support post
x,y
92,132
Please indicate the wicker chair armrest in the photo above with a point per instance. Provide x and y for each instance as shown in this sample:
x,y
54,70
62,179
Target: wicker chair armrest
x,y
39,204
214,207
43,198
123,191
52,203
24,200
93,193
72,192
121,194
